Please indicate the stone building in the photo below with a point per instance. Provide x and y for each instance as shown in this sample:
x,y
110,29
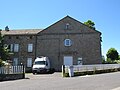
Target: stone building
x,y
67,42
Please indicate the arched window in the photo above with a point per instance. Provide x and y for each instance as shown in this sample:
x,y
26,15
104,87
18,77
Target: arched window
x,y
67,26
67,42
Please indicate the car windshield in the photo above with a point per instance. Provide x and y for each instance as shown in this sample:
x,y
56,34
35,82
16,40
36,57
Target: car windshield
x,y
39,62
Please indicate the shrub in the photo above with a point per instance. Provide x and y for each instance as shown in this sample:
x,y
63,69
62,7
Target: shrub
x,y
66,75
1,63
117,61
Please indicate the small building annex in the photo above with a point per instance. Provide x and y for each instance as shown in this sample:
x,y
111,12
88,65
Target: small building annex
x,y
67,42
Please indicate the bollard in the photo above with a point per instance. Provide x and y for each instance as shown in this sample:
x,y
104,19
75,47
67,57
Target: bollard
x,y
23,72
63,70
71,72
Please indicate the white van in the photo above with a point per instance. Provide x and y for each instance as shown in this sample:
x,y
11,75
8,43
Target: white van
x,y
41,65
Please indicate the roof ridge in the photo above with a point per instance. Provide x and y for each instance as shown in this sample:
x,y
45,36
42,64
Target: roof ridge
x,y
22,29
21,32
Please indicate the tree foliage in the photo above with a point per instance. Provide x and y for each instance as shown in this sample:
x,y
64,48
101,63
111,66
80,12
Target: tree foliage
x,y
1,44
119,57
112,54
1,63
4,51
103,59
90,24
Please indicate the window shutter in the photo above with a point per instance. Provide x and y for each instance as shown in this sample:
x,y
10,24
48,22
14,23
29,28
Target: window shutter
x,y
29,62
16,47
11,47
30,47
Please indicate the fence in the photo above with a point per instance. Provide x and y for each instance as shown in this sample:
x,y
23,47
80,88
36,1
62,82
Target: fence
x,y
12,70
84,68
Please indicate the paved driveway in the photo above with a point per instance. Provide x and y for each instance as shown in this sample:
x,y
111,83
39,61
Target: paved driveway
x,y
109,81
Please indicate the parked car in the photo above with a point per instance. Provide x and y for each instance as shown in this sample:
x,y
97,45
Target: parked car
x,y
41,65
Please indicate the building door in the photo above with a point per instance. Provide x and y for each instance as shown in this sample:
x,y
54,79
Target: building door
x,y
68,60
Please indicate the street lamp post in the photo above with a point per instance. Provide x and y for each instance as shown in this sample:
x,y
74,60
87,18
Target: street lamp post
x,y
23,73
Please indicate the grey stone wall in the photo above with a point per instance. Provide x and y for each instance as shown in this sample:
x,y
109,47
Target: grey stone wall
x,y
6,77
23,41
86,43
49,42
85,46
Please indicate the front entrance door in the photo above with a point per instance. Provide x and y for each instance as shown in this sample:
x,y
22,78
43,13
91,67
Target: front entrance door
x,y
68,60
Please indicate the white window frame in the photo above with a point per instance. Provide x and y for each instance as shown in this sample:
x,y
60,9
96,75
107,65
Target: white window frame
x,y
16,47
15,61
67,42
29,62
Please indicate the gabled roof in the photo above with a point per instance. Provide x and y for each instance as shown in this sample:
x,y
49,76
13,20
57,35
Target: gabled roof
x,y
64,20
21,32
83,24
38,31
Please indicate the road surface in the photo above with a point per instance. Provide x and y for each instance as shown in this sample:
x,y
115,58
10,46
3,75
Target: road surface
x,y
107,81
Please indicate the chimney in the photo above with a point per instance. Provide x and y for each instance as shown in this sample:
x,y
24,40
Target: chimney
x,y
6,28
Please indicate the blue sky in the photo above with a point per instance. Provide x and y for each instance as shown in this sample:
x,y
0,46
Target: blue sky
x,y
27,14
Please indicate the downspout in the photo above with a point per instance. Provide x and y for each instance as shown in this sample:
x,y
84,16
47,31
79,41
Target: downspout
x,y
35,46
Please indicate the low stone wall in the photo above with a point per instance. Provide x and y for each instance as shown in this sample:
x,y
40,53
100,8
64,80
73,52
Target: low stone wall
x,y
91,72
6,77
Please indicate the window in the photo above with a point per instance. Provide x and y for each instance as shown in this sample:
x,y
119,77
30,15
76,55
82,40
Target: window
x,y
29,62
12,47
40,62
16,47
67,26
67,42
30,47
15,61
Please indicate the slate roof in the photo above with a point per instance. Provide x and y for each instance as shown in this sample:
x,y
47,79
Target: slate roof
x,y
21,32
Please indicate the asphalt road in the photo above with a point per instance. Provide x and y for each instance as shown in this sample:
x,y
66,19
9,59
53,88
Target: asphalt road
x,y
109,81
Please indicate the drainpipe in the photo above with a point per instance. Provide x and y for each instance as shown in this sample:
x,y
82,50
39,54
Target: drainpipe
x,y
35,46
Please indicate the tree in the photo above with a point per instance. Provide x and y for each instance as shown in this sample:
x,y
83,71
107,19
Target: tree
x,y
4,51
1,63
109,61
90,24
119,57
112,54
1,44
103,60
